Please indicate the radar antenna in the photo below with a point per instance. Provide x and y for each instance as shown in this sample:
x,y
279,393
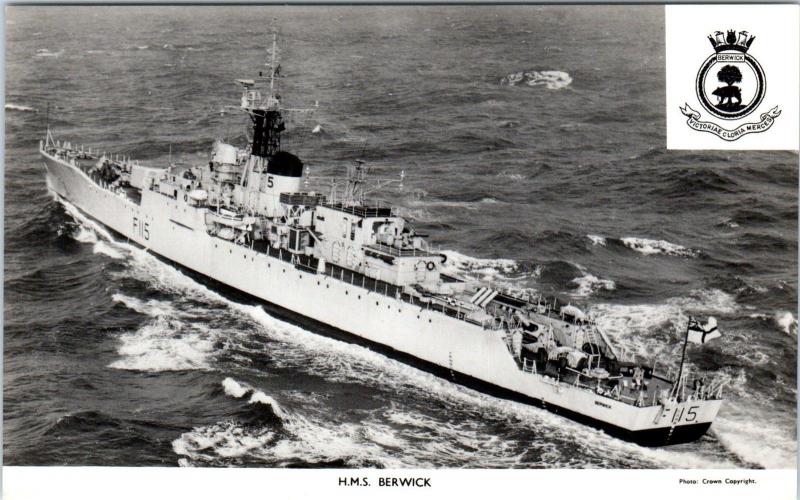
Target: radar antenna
x,y
266,111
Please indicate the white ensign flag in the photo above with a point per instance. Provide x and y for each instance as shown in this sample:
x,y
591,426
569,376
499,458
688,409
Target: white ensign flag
x,y
700,334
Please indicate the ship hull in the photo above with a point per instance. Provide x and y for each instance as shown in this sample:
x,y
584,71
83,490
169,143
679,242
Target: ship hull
x,y
462,352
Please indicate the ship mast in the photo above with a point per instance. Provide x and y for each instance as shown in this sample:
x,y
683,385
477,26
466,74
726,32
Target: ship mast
x,y
264,112
273,65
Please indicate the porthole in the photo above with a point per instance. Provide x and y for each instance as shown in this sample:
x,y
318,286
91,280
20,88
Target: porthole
x,y
376,303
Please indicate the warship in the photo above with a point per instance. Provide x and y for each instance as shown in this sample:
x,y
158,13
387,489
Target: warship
x,y
355,269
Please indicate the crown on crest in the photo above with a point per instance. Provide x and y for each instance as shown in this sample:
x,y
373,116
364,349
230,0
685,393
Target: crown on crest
x,y
720,41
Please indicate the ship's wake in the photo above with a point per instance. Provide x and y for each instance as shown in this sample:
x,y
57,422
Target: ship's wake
x,y
469,428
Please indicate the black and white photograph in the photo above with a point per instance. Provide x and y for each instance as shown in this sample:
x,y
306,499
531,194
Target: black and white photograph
x,y
392,237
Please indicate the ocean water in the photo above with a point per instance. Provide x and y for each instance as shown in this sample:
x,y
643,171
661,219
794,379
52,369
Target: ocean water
x,y
532,139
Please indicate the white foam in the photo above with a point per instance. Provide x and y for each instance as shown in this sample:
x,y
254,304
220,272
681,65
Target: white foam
x,y
152,307
226,440
234,388
164,345
551,79
85,222
415,201
641,328
787,322
730,223
487,268
88,233
597,240
384,436
85,235
512,175
757,436
588,284
19,107
47,53
261,398
104,248
653,247
303,438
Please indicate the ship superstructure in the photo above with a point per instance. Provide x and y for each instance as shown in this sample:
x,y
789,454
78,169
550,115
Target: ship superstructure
x,y
358,268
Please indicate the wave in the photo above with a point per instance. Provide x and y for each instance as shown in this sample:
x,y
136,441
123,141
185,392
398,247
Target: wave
x,y
484,269
647,330
85,233
48,53
19,107
281,438
656,247
552,80
686,183
588,284
787,322
152,307
514,176
747,428
645,246
165,344
597,240
104,248
239,390
468,204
